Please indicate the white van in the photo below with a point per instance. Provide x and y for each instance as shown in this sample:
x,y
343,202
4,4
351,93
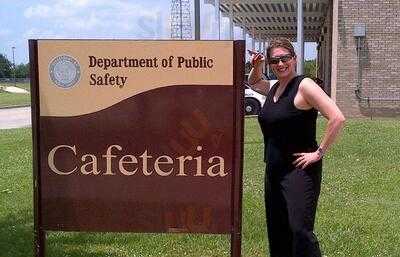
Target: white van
x,y
254,101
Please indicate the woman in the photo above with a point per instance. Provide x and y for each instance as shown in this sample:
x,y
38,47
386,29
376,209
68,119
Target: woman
x,y
294,159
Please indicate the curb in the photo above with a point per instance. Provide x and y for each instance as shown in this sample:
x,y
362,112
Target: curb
x,y
15,106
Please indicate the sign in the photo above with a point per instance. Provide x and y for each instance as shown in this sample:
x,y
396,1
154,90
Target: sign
x,y
137,136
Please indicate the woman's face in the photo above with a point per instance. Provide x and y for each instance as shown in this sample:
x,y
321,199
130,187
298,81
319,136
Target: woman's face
x,y
283,64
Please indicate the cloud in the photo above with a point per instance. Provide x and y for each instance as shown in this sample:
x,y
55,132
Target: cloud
x,y
47,11
42,34
4,32
37,11
100,18
79,2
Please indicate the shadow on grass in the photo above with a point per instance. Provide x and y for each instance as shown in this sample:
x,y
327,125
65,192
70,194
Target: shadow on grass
x,y
16,240
85,244
16,237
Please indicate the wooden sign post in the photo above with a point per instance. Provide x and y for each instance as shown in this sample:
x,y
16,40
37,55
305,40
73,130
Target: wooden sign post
x,y
137,136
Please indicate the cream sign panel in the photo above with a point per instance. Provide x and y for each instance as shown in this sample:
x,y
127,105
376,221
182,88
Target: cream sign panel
x,y
99,74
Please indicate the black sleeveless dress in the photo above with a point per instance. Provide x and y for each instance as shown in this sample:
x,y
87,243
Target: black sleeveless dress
x,y
291,194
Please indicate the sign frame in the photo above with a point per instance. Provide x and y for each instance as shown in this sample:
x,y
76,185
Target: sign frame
x,y
237,151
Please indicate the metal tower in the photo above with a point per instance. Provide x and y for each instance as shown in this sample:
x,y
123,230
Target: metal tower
x,y
181,23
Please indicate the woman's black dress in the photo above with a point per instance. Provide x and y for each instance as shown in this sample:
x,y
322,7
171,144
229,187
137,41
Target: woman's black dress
x,y
291,194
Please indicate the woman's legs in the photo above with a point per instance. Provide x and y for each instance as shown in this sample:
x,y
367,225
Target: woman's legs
x,y
301,191
279,234
291,202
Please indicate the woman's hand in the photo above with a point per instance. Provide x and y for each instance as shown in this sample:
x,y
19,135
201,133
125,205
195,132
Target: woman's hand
x,y
305,159
256,58
256,81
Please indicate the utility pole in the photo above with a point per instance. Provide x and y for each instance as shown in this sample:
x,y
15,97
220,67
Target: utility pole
x,y
196,19
13,49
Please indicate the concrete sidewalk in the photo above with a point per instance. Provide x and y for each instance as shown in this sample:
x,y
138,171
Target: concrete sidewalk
x,y
17,90
15,117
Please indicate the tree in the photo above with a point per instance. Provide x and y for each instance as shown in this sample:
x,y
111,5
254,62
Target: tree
x,y
310,68
5,67
22,71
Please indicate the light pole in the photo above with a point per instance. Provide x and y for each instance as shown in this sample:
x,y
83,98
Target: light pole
x,y
13,49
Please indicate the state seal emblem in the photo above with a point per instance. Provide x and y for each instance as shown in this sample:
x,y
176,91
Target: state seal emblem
x,y
64,71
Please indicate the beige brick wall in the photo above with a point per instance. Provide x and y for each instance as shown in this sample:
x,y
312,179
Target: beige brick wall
x,y
380,57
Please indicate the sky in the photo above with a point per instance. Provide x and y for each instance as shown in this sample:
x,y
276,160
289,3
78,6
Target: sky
x,y
21,20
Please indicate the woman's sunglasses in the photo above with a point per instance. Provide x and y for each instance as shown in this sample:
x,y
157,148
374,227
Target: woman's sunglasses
x,y
276,60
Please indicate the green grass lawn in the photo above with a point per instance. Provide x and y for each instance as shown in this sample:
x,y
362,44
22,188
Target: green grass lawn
x,y
358,214
11,99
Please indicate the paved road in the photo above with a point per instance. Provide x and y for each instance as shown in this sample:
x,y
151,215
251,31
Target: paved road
x,y
15,117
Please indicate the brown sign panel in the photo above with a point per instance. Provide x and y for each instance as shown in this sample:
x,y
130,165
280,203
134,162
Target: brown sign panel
x,y
138,136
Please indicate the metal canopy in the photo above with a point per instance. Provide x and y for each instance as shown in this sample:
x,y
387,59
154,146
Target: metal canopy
x,y
266,19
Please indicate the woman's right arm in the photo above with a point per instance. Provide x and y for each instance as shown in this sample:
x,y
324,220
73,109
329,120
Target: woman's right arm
x,y
256,81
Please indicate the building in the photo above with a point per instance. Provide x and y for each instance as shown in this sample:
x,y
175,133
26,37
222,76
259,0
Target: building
x,y
358,45
364,35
